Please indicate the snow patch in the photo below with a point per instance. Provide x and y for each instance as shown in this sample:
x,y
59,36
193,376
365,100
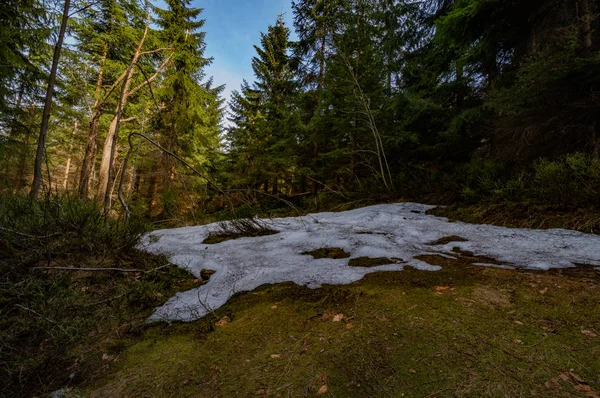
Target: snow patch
x,y
401,231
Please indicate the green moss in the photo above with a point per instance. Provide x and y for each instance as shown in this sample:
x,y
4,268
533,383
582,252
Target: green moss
x,y
370,261
462,331
523,215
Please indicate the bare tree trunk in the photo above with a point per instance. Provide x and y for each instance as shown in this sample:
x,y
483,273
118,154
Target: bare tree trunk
x,y
586,23
111,138
21,171
23,157
151,190
108,154
92,144
68,165
389,72
41,147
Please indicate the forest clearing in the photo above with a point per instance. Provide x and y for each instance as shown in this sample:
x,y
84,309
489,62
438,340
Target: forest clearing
x,y
337,198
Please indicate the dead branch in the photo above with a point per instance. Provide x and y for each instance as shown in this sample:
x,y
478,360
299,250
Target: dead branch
x,y
156,50
161,67
87,269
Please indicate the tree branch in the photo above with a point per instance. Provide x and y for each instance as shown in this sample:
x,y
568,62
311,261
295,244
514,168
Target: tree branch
x,y
87,269
161,67
156,50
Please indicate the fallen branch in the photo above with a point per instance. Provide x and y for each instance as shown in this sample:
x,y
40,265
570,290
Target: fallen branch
x,y
88,269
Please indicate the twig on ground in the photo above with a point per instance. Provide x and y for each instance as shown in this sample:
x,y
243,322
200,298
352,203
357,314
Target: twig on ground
x,y
88,269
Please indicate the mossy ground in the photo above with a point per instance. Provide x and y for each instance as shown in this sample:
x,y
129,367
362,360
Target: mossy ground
x,y
463,331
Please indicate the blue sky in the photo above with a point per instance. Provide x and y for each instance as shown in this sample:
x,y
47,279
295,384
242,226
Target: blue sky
x,y
232,28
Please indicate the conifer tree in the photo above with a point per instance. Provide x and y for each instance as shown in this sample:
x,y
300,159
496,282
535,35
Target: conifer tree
x,y
188,121
276,87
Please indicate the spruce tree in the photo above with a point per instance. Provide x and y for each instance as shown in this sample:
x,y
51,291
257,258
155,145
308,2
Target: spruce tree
x,y
276,87
188,122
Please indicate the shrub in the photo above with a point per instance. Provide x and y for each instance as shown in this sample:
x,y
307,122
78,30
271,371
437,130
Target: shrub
x,y
46,314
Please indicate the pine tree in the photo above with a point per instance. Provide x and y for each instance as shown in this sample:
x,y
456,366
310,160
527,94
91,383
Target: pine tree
x,y
275,87
246,146
188,121
315,22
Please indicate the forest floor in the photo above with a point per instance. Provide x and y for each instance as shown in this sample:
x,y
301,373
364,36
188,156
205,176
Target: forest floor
x,y
524,215
463,330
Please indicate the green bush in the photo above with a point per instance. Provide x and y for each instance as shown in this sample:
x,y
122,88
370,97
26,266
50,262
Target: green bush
x,y
33,232
569,182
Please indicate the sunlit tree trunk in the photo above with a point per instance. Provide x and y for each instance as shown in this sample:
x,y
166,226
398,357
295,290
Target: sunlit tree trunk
x,y
92,145
108,154
41,144
68,165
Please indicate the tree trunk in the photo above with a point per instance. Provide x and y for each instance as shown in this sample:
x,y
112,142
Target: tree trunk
x,y
151,190
23,163
389,72
23,157
107,158
108,152
68,165
41,145
92,144
586,23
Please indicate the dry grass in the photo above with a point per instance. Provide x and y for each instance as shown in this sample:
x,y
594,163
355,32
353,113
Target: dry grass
x,y
239,228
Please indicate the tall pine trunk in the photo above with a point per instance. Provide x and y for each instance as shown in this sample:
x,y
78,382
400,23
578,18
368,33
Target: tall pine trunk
x,y
41,144
68,165
92,144
108,152
586,23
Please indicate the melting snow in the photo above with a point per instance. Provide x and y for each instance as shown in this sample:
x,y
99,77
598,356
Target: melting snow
x,y
401,231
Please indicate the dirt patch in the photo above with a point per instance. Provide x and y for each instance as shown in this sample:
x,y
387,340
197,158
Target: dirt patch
x,y
448,239
328,252
372,261
205,274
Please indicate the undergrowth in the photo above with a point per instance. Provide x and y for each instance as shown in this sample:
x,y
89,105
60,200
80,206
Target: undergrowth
x,y
56,325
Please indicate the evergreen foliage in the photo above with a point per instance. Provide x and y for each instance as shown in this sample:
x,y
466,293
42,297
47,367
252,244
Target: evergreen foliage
x,y
377,97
